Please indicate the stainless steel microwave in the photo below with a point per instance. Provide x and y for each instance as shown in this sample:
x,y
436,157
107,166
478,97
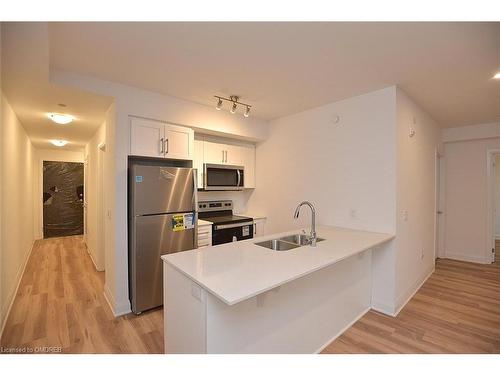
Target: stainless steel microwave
x,y
223,177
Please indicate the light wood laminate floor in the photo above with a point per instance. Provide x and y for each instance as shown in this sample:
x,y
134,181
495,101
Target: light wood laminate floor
x,y
60,304
457,310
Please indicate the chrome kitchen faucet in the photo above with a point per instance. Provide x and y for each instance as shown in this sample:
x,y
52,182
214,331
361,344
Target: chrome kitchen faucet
x,y
312,235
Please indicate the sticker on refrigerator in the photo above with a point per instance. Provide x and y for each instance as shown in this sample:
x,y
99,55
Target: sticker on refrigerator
x,y
182,222
138,178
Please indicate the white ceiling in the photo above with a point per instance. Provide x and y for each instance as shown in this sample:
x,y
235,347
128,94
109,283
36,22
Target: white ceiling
x,y
25,81
284,68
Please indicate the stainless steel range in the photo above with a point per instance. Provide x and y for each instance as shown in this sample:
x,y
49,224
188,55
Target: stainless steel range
x,y
226,226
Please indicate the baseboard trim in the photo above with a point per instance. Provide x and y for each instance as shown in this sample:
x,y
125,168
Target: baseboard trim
x,y
349,325
383,308
122,309
13,295
466,258
411,292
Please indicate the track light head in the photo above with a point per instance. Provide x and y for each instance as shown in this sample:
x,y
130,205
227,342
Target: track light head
x,y
247,112
219,105
233,108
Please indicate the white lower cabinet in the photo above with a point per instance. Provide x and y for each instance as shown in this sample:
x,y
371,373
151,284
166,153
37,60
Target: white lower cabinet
x,y
259,227
204,235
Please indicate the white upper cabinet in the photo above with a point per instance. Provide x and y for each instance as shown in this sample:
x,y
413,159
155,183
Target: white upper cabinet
x,y
146,137
212,151
159,139
179,142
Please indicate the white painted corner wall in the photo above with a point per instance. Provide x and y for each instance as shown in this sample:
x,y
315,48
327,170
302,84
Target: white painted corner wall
x,y
416,196
17,206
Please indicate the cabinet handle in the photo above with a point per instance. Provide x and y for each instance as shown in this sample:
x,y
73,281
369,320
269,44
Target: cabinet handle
x,y
223,156
254,229
161,146
226,156
166,145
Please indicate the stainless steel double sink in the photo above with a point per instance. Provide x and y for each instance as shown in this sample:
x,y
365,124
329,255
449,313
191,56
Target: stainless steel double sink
x,y
287,243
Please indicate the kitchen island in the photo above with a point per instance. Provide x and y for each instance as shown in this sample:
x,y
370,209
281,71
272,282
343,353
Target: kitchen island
x,y
244,298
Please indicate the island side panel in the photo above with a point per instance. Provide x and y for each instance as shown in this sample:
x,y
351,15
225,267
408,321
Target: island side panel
x,y
302,316
184,313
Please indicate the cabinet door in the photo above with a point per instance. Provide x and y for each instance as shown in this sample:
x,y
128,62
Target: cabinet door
x,y
259,227
248,161
179,142
214,153
233,155
198,160
146,137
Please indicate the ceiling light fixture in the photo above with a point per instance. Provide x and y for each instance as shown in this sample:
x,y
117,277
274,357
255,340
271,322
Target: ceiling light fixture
x,y
219,105
60,118
496,76
59,142
235,101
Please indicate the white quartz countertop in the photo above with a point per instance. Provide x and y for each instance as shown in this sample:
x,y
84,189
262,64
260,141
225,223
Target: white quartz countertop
x,y
240,270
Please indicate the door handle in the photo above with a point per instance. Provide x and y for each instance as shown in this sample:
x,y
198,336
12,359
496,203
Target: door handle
x,y
166,145
161,146
440,212
239,178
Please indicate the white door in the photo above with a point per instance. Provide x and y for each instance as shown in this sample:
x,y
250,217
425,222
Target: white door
x,y
178,142
146,137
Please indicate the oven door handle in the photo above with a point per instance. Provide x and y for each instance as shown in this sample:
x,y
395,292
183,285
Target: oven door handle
x,y
235,225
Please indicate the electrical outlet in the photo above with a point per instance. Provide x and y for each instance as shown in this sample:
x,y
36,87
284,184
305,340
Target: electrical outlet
x,y
354,214
404,214
422,255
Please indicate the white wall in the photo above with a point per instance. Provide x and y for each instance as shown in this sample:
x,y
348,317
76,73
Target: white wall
x,y
94,197
416,196
466,199
133,101
339,167
41,155
17,205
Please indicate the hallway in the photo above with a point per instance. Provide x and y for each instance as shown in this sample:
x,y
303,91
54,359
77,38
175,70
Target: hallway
x,y
60,303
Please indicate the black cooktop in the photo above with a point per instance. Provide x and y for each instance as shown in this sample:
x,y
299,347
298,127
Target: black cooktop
x,y
223,219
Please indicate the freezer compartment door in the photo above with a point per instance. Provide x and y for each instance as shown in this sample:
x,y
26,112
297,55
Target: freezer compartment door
x,y
152,237
157,190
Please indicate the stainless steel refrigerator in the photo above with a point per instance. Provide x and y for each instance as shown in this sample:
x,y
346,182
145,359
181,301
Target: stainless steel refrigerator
x,y
162,220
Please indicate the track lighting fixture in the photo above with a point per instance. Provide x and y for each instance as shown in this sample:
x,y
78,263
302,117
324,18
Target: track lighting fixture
x,y
234,100
233,108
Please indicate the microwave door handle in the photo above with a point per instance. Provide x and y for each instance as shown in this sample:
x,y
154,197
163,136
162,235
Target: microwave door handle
x,y
239,177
